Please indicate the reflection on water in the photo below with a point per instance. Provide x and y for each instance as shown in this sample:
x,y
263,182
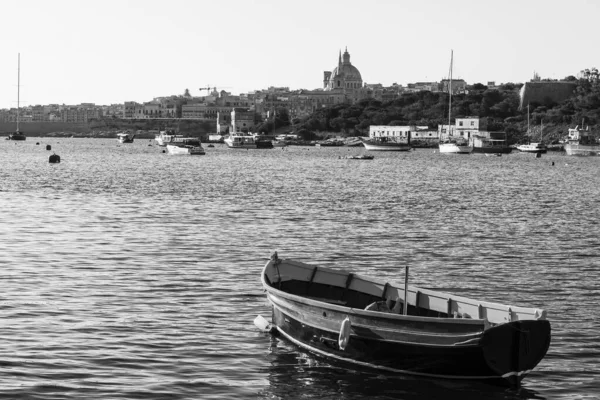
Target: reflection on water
x,y
292,371
130,273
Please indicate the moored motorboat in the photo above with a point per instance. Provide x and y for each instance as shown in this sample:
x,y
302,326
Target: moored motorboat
x,y
455,147
402,329
237,141
493,143
125,137
186,146
386,144
580,142
167,136
532,148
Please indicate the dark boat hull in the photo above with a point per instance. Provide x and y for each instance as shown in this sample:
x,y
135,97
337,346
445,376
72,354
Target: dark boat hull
x,y
504,354
492,150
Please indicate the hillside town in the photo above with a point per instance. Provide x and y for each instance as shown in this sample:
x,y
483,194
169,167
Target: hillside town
x,y
342,84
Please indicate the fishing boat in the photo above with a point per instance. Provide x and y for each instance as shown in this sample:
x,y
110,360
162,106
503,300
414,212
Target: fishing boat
x,y
166,136
237,141
399,328
186,146
581,143
536,148
384,143
125,137
450,144
18,135
494,143
264,141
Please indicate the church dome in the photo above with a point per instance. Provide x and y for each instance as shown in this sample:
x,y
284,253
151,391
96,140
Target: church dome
x,y
348,71
344,76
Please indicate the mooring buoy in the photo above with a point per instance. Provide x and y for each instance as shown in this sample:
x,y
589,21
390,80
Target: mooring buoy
x,y
48,147
54,158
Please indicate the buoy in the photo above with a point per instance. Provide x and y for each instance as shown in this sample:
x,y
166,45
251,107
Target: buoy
x,y
48,147
344,334
552,162
37,143
54,158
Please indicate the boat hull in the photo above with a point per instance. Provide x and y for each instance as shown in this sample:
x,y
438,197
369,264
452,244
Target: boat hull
x,y
453,148
185,150
532,148
16,136
492,150
582,150
240,144
484,356
387,146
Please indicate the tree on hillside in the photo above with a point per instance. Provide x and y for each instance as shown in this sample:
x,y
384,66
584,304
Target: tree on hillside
x,y
187,93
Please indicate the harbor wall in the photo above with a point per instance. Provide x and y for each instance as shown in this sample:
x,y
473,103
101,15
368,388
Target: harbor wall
x,y
109,126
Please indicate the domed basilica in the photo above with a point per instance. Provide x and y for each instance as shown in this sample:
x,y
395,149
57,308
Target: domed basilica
x,y
345,76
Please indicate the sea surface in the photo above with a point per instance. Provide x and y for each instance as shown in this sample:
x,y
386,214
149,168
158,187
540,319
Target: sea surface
x,y
127,273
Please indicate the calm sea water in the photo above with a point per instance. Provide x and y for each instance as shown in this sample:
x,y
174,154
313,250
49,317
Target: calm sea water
x,y
129,273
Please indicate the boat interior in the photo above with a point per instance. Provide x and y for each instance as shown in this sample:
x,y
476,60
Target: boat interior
x,y
340,288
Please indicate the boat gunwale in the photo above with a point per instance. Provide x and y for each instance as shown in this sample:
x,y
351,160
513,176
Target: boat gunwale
x,y
366,313
491,306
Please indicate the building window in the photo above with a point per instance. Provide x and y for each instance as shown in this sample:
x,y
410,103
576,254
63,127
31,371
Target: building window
x,y
460,123
472,123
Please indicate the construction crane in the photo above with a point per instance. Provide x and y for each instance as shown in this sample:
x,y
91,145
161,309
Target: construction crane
x,y
214,88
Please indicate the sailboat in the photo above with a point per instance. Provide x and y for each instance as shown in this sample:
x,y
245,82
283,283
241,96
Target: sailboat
x,y
18,135
458,145
533,147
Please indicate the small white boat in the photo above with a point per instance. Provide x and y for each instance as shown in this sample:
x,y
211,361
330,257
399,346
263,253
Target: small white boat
x,y
236,141
386,144
125,137
187,146
455,148
532,148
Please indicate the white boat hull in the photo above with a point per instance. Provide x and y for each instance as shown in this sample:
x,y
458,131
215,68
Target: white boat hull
x,y
532,148
387,147
582,150
240,145
453,148
185,150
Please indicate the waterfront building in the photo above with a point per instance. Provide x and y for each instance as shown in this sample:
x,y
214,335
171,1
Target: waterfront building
x,y
463,128
242,121
389,131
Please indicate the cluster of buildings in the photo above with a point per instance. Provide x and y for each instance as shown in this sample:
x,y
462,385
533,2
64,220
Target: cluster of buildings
x,y
237,113
466,128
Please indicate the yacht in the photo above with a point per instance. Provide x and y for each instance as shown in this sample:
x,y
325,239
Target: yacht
x,y
240,141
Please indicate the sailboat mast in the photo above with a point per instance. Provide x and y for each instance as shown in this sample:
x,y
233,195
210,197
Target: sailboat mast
x,y
18,88
527,118
450,93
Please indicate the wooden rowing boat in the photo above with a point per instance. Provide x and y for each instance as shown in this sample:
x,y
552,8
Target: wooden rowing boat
x,y
360,320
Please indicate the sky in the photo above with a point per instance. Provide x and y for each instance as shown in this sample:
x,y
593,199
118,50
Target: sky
x,y
108,52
